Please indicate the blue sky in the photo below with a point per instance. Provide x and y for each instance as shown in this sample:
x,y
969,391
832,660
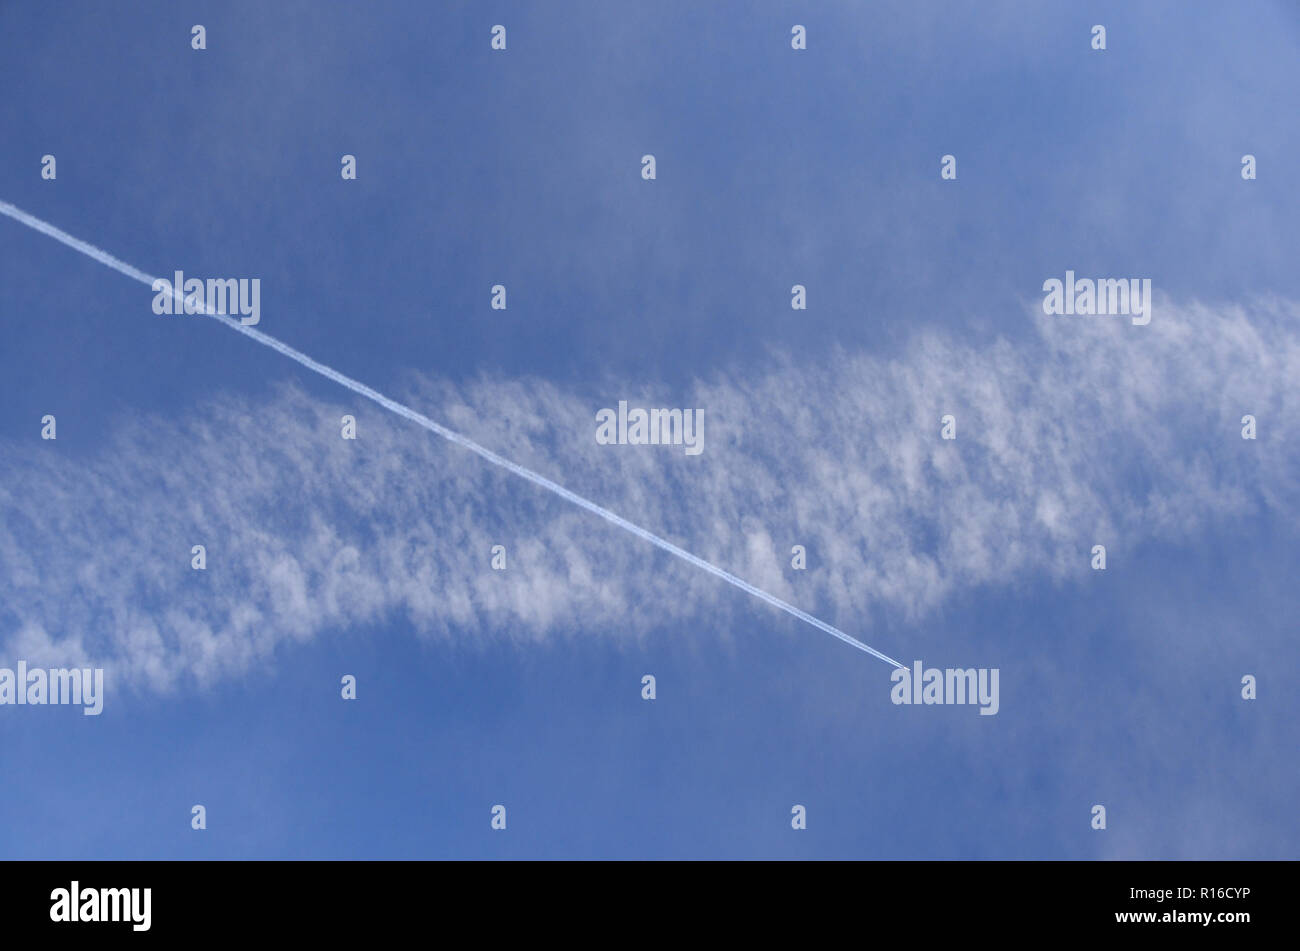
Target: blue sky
x,y
775,167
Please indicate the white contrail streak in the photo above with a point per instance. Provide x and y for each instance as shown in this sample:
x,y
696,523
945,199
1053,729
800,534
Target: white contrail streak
x,y
103,257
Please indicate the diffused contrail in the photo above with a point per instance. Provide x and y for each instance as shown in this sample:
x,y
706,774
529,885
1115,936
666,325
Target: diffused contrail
x,y
103,257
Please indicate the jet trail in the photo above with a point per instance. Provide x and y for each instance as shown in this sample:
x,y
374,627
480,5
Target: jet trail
x,y
103,257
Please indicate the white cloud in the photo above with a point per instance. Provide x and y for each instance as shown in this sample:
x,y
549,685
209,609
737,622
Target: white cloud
x,y
1092,430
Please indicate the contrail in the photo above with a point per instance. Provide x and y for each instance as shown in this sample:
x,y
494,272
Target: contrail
x,y
103,257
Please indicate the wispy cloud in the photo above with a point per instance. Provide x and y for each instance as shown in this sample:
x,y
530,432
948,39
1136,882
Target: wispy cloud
x,y
1087,431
